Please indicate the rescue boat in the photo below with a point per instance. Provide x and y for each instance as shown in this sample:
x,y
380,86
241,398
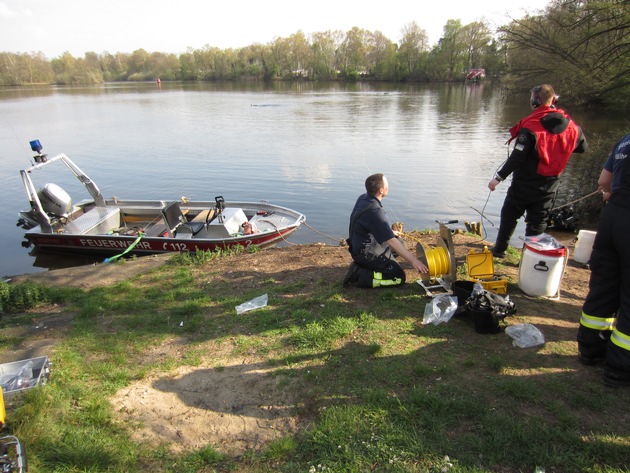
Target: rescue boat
x,y
114,226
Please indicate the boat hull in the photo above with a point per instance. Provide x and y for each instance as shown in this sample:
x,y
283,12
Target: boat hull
x,y
142,230
109,245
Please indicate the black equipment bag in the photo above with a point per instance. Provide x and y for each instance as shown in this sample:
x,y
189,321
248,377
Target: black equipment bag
x,y
489,310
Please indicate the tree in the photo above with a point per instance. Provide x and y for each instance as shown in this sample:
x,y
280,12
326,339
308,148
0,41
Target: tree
x,y
449,56
325,46
351,53
138,65
256,58
71,71
300,55
21,69
231,67
494,62
210,63
582,47
381,61
279,58
163,66
476,37
187,69
114,66
413,49
223,64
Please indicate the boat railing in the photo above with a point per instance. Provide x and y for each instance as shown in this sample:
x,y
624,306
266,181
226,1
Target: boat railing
x,y
31,192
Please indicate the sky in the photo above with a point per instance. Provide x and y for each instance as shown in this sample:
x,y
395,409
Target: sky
x,y
79,26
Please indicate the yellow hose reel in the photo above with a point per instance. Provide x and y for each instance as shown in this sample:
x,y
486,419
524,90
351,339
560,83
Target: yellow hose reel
x,y
437,261
440,260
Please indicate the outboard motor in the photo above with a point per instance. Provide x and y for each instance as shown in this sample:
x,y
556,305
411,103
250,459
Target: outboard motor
x,y
220,203
55,200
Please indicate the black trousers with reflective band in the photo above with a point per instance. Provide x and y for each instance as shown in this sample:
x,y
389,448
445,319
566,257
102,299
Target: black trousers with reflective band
x,y
392,273
609,290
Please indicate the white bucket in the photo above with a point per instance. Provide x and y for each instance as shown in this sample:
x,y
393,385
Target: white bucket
x,y
584,246
540,271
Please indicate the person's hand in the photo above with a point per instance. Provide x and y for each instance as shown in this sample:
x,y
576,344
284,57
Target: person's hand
x,y
398,229
492,185
420,267
605,193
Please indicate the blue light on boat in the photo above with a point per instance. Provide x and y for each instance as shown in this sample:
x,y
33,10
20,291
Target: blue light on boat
x,y
36,146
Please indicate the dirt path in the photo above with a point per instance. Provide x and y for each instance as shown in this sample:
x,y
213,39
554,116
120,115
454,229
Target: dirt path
x,y
103,274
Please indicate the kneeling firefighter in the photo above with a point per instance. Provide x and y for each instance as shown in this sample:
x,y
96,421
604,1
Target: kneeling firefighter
x,y
372,242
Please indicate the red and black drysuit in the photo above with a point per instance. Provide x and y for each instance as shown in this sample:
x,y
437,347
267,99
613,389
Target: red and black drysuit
x,y
604,332
544,142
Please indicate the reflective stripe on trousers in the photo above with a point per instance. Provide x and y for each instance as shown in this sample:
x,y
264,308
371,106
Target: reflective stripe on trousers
x,y
620,339
597,323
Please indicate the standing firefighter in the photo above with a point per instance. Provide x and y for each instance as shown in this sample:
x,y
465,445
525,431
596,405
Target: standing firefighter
x,y
604,333
372,242
544,142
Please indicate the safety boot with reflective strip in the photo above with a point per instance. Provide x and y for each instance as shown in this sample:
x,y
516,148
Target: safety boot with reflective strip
x,y
379,281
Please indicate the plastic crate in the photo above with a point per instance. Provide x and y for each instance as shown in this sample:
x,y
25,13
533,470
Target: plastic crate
x,y
12,455
19,376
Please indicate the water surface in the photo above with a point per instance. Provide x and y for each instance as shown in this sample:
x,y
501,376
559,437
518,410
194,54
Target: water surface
x,y
304,146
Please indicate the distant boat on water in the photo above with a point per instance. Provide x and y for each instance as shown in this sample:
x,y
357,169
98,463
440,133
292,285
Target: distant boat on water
x,y
476,74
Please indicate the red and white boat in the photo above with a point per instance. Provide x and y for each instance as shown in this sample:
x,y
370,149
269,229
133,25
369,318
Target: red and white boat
x,y
476,74
115,226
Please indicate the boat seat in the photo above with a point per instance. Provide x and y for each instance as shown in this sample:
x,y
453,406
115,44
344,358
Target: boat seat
x,y
205,216
176,221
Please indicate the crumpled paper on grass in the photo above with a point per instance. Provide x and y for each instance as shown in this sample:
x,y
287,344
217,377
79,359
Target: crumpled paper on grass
x,y
255,303
525,335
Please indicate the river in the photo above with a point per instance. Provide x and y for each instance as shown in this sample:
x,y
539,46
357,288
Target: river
x,y
300,145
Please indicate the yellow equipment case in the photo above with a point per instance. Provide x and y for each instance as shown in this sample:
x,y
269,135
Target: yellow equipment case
x,y
481,268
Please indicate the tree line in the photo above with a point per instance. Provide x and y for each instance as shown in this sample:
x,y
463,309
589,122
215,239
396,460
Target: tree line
x,y
580,46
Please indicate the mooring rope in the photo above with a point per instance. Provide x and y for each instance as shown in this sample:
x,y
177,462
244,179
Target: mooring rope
x,y
129,248
481,213
278,232
410,236
483,216
322,234
598,191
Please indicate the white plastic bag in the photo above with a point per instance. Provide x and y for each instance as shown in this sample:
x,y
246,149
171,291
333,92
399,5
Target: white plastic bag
x,y
255,303
543,242
525,335
23,379
440,309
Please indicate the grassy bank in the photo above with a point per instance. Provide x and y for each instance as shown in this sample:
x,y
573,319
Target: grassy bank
x,y
366,385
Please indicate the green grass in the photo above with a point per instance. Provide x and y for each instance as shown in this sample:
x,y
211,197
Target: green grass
x,y
379,390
